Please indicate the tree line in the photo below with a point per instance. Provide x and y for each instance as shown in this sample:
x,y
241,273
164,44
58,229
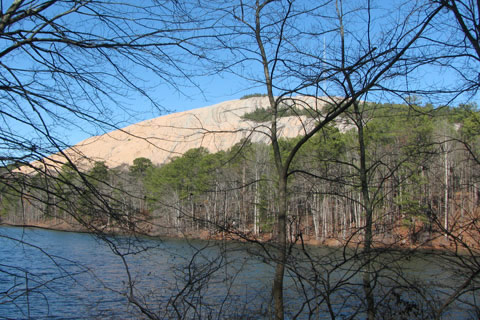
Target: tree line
x,y
421,172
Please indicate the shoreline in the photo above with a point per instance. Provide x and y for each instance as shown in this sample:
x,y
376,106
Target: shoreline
x,y
434,245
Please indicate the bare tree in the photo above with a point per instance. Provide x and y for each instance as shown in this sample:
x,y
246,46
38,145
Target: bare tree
x,y
69,63
457,50
284,40
72,66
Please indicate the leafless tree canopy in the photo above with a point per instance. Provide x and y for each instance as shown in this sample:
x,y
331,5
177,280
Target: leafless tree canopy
x,y
75,64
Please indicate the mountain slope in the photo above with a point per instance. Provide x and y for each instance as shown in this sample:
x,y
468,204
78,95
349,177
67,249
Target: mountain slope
x,y
216,127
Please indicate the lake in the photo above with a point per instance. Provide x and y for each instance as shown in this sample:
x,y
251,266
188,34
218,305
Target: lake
x,y
74,275
66,275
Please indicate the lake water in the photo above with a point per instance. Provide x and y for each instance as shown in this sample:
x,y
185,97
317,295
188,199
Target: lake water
x,y
62,275
74,276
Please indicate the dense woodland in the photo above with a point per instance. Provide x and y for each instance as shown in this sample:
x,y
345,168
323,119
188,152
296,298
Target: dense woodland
x,y
422,173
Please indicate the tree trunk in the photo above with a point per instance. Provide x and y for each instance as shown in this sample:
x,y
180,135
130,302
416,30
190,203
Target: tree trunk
x,y
281,242
445,162
367,204
315,211
255,206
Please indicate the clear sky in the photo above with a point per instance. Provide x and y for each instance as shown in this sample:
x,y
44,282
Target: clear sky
x,y
211,90
217,87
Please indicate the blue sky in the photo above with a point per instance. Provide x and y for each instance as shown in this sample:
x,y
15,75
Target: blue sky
x,y
130,107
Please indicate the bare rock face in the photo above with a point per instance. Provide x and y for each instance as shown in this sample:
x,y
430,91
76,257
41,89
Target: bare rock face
x,y
215,128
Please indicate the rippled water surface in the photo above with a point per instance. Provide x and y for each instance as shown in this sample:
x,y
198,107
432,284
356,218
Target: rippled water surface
x,y
61,275
65,275
57,275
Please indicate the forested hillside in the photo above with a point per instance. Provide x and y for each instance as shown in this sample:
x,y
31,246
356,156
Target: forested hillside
x,y
422,172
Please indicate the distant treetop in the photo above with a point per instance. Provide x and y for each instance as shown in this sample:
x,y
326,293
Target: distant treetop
x,y
253,95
